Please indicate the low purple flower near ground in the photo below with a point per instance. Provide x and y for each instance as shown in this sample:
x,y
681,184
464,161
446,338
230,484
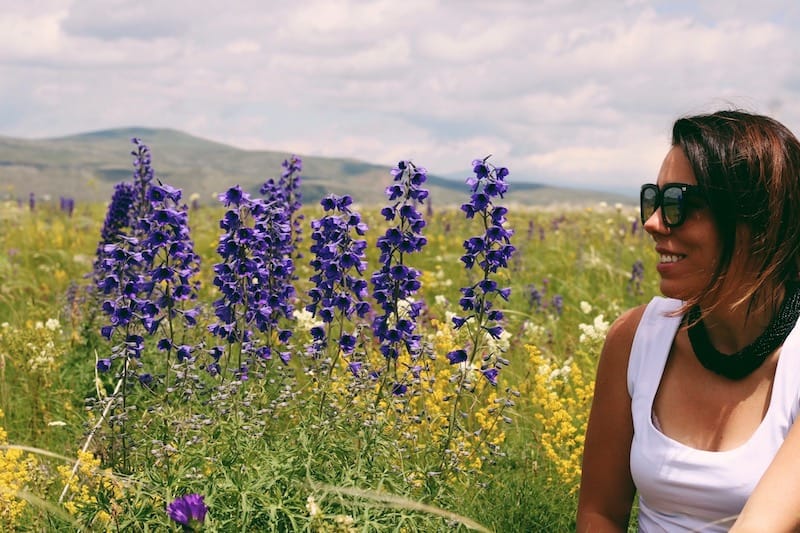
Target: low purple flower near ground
x,y
188,510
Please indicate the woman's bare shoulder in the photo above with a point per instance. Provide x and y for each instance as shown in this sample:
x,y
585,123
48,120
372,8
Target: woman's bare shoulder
x,y
622,331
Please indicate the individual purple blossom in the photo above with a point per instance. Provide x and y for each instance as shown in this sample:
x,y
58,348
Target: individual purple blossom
x,y
31,201
534,297
188,510
558,304
396,282
339,289
67,205
490,252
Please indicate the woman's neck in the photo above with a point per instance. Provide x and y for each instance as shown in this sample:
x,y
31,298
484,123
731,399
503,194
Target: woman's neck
x,y
731,327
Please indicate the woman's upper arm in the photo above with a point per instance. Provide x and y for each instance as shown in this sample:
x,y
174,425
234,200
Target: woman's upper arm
x,y
775,502
607,489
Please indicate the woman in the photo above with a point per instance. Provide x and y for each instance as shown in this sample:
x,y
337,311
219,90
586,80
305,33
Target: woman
x,y
697,392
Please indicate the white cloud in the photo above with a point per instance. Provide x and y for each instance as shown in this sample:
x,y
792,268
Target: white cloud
x,y
569,92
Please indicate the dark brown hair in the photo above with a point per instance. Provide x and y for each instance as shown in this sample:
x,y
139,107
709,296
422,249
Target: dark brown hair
x,y
748,168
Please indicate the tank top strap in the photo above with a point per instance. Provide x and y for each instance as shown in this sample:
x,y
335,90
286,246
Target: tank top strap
x,y
651,345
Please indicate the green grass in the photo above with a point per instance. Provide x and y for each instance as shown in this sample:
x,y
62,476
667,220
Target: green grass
x,y
258,451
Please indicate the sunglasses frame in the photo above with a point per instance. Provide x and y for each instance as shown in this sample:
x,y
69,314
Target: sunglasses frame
x,y
685,188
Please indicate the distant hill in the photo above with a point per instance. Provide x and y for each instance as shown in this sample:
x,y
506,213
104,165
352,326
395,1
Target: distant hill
x,y
87,166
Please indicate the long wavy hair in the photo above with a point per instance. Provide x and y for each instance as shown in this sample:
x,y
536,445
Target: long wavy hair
x,y
748,168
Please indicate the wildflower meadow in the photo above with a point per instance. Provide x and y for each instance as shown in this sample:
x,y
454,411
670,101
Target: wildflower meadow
x,y
257,363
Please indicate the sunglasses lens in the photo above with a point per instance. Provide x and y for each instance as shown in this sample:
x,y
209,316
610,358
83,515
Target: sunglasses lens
x,y
672,205
648,199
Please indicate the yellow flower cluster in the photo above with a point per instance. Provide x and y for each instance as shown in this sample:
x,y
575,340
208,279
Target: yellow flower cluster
x,y
38,345
15,473
478,428
84,486
420,418
562,399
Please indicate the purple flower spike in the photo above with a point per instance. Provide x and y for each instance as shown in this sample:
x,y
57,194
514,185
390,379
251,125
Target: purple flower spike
x,y
396,282
188,510
489,252
338,289
255,277
145,262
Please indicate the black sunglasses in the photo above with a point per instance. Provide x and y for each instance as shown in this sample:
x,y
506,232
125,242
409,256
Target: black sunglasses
x,y
672,199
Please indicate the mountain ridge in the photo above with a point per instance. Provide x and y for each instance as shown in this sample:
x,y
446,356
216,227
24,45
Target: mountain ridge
x,y
87,165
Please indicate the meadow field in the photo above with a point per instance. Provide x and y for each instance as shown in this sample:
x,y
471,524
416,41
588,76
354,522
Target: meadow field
x,y
259,364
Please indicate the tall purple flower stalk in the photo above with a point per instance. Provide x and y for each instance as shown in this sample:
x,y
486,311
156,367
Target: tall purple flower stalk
x,y
117,223
254,279
143,273
146,265
490,252
395,282
120,265
339,289
171,269
288,189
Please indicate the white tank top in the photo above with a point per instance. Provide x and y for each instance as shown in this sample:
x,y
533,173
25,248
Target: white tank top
x,y
682,488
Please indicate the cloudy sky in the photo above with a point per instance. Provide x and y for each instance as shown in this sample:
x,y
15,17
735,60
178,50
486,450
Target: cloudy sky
x,y
570,92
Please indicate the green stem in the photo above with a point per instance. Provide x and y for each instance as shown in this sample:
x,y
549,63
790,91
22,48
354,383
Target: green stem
x,y
334,361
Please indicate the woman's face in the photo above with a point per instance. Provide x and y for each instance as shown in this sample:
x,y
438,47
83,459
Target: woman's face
x,y
688,254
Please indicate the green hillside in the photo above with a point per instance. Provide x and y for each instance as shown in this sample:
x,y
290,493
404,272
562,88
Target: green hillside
x,y
86,167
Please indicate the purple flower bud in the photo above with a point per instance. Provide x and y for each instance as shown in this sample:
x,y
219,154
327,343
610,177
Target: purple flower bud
x,y
188,510
457,356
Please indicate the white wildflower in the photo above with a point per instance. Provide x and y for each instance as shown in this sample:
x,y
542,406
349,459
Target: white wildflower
x,y
312,507
498,346
403,307
561,373
305,319
586,307
440,299
52,324
532,330
595,331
